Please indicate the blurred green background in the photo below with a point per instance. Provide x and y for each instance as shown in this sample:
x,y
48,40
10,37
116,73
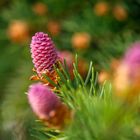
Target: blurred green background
x,y
96,30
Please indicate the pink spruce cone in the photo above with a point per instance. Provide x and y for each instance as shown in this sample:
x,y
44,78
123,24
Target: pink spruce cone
x,y
132,56
132,60
42,100
127,76
68,56
43,52
47,106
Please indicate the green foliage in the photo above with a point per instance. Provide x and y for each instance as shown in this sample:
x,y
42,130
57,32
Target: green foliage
x,y
102,119
97,114
94,107
16,115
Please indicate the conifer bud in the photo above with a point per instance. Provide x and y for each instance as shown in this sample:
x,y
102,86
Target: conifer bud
x,y
120,13
40,8
81,40
101,8
18,31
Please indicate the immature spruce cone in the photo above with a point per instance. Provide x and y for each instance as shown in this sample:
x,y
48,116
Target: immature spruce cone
x,y
47,106
43,52
132,56
127,76
132,60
